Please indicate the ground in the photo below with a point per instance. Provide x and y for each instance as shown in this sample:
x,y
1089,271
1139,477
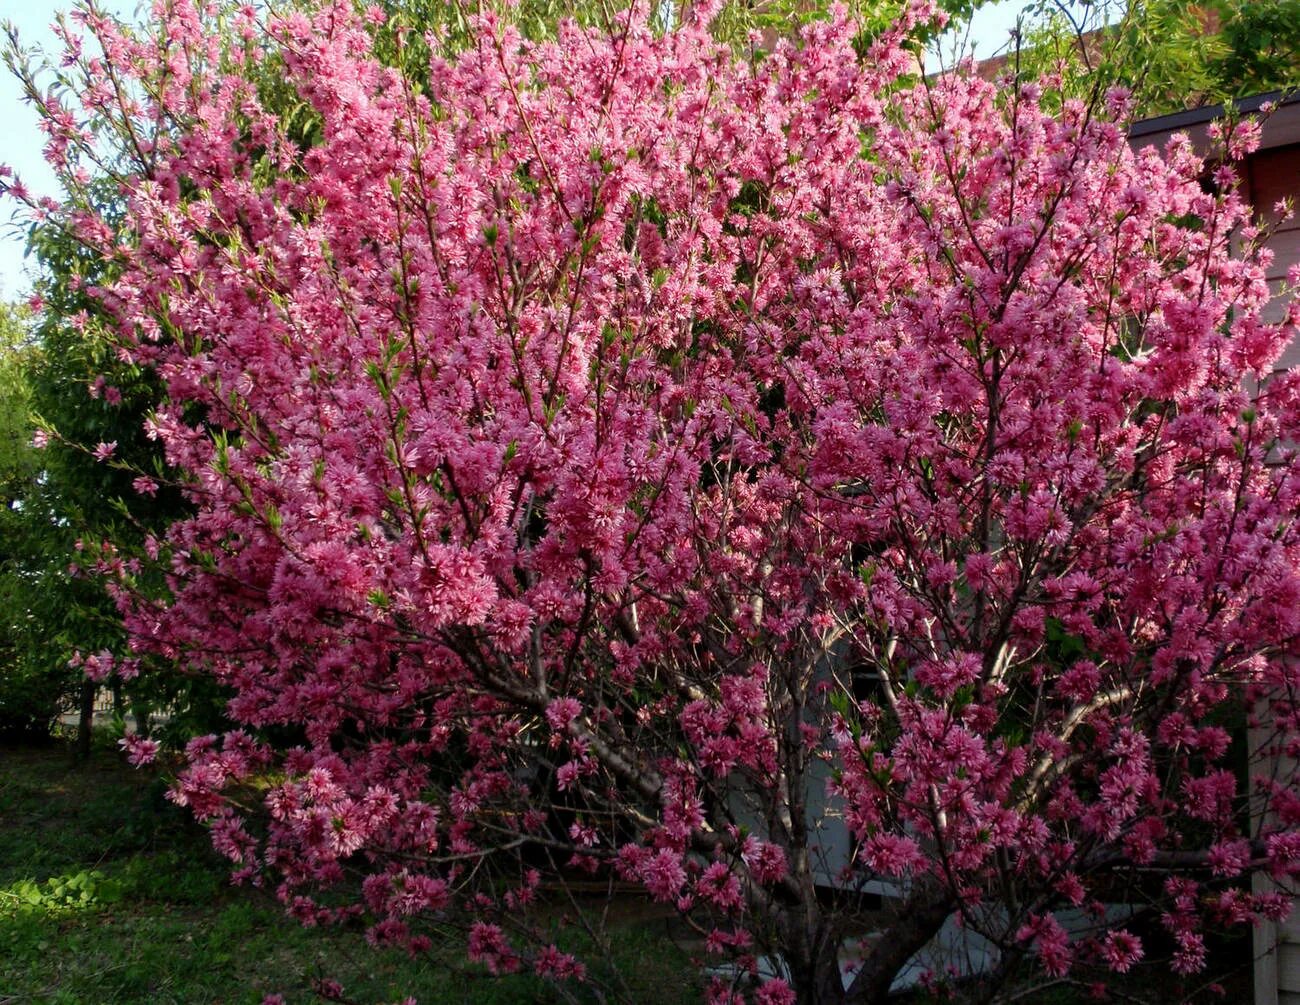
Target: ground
x,y
108,894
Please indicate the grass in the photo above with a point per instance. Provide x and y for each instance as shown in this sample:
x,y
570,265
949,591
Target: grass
x,y
109,894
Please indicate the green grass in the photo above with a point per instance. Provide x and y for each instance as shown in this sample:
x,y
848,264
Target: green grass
x,y
109,894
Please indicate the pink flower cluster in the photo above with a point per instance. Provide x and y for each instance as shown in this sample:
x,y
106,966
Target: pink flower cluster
x,y
618,450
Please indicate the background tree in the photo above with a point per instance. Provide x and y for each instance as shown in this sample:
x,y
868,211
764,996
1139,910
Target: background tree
x,y
1262,42
28,701
1172,54
84,398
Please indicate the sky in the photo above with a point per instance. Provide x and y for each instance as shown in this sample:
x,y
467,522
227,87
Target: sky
x,y
21,141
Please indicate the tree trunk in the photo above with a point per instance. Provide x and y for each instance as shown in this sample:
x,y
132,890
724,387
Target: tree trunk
x,y
919,919
815,973
141,710
86,719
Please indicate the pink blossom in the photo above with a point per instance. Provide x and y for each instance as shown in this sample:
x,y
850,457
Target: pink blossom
x,y
662,874
561,712
774,992
139,751
767,862
1120,950
488,945
97,666
719,887
1051,942
550,962
892,854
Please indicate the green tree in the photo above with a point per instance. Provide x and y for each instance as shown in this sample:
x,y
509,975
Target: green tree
x,y
29,700
1172,54
1262,39
45,611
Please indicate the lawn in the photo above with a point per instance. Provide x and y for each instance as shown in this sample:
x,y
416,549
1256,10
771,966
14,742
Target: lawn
x,y
109,894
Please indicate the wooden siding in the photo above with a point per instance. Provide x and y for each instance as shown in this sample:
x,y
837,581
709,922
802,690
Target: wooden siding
x,y
1273,176
1288,968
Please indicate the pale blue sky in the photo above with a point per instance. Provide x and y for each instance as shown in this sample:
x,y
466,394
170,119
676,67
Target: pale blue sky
x,y
20,139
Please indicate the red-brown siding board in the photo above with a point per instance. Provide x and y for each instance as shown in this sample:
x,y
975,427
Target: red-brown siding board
x,y
1274,177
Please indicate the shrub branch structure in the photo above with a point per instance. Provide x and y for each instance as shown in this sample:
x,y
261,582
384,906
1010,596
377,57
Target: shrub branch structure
x,y
764,481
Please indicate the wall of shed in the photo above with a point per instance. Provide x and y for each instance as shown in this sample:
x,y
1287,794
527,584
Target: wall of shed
x,y
1273,176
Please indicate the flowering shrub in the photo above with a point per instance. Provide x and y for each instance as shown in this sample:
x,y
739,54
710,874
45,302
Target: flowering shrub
x,y
614,457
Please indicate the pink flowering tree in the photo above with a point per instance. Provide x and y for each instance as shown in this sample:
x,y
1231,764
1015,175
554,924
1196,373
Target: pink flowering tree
x,y
762,481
